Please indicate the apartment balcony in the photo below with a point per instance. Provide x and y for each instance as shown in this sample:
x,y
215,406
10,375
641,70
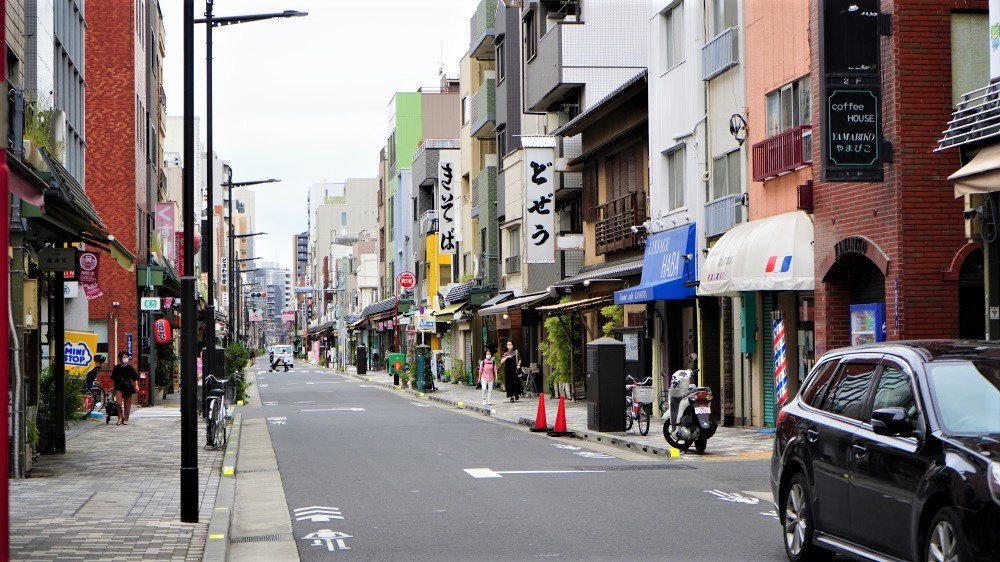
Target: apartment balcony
x,y
544,82
483,110
481,30
426,158
720,54
512,265
428,223
615,219
783,153
484,194
723,214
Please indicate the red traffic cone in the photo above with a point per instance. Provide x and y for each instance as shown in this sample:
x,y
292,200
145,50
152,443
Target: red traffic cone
x,y
540,422
560,428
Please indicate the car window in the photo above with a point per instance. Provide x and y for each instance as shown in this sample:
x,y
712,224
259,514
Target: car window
x,y
894,390
966,395
847,397
815,389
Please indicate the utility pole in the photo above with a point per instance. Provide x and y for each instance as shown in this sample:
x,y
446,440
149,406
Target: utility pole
x,y
189,316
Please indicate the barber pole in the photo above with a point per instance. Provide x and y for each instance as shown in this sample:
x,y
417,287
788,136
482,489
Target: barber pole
x,y
780,363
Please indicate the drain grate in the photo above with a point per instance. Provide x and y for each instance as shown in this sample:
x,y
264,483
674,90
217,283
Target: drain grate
x,y
630,468
252,470
265,538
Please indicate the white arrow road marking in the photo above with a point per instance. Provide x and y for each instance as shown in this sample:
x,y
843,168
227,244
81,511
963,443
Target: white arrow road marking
x,y
733,497
335,410
419,405
332,540
318,514
490,473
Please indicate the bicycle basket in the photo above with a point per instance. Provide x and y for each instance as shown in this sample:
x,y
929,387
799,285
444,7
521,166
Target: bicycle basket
x,y
642,394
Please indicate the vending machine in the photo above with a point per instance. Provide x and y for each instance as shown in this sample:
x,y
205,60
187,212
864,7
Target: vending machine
x,y
867,323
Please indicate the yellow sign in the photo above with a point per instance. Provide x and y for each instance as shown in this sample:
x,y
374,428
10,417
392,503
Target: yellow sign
x,y
79,351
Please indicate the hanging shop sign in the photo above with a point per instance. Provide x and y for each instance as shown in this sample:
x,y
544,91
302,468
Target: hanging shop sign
x,y
57,259
539,205
161,331
79,351
149,303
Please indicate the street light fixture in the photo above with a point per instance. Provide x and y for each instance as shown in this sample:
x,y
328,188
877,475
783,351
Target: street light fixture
x,y
233,305
213,22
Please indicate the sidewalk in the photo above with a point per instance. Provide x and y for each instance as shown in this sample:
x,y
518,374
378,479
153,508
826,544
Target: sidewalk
x,y
114,494
728,442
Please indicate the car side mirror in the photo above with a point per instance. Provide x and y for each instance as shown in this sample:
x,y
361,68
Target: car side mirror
x,y
891,421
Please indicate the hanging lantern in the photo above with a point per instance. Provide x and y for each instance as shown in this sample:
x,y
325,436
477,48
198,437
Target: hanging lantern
x,y
161,331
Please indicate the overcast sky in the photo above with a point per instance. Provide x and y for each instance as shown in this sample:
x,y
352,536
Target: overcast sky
x,y
304,99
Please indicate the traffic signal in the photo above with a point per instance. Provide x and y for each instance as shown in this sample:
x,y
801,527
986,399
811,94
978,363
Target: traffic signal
x,y
258,295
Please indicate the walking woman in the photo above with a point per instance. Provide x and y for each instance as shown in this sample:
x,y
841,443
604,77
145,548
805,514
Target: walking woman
x,y
125,379
487,374
511,367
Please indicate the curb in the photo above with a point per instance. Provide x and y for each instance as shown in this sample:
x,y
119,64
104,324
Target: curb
x,y
656,451
219,527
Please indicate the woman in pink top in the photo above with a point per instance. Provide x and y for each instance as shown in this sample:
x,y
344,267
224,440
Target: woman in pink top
x,y
487,374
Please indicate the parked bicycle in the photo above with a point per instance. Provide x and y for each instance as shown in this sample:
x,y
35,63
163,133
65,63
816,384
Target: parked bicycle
x,y
638,403
528,385
94,398
216,429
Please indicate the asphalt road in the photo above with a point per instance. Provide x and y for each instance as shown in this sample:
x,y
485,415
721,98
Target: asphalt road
x,y
396,468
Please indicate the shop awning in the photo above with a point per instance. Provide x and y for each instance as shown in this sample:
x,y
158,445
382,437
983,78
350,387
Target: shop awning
x,y
771,254
620,269
980,175
447,314
575,306
325,327
121,254
668,268
514,304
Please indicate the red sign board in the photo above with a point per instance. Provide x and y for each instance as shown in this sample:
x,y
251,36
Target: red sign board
x,y
406,280
87,266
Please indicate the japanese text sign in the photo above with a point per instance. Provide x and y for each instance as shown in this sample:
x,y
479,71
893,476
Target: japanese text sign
x,y
539,205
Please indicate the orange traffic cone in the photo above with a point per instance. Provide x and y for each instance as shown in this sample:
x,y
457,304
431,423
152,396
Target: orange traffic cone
x,y
540,422
560,428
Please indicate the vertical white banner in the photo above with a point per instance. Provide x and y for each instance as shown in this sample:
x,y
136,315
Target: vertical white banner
x,y
447,205
539,205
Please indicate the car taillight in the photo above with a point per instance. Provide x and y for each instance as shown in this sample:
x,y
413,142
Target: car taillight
x,y
782,414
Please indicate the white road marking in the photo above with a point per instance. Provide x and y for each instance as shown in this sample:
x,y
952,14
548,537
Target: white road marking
x,y
733,497
771,513
332,540
262,386
270,403
157,413
305,402
335,410
419,405
318,514
567,447
277,421
593,455
325,382
490,473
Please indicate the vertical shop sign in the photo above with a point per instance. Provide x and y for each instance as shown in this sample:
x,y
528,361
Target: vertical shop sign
x,y
539,205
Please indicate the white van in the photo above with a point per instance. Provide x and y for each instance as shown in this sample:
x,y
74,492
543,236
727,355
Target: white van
x,y
285,354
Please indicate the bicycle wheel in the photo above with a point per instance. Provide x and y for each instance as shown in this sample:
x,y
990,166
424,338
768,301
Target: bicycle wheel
x,y
222,436
628,417
210,427
90,402
643,420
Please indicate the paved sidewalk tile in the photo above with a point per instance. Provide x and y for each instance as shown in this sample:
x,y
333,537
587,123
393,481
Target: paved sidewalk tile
x,y
727,442
114,495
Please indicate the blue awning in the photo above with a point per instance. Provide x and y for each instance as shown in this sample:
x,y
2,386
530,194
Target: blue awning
x,y
668,268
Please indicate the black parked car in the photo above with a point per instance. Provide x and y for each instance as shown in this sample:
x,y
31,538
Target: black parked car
x,y
892,451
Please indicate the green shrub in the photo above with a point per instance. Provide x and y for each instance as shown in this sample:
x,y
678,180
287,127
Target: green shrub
x,y
237,357
166,364
47,395
33,434
557,348
615,316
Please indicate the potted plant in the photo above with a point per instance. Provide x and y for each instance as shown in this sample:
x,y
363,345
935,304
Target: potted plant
x,y
557,352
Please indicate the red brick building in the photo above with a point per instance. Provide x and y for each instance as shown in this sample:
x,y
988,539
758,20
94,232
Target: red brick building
x,y
900,242
118,125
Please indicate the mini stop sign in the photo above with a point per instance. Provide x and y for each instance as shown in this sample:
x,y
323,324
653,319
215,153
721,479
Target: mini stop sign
x,y
406,280
161,331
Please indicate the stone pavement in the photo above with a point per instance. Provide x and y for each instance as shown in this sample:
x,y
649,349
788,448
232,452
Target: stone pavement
x,y
727,444
114,495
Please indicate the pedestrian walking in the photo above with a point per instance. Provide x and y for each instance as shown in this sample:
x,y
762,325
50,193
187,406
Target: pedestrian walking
x,y
511,368
125,379
487,374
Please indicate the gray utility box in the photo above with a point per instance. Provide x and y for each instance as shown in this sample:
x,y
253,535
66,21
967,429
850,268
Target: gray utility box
x,y
606,385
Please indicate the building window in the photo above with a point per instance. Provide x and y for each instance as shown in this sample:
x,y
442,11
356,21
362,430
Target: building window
x,y
388,218
501,60
502,141
514,242
726,175
673,24
675,177
530,36
789,107
724,16
343,223
465,110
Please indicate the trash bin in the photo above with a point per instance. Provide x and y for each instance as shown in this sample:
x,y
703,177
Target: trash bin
x,y
606,385
361,359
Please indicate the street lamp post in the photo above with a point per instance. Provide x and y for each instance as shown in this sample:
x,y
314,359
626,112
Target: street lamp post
x,y
211,22
189,330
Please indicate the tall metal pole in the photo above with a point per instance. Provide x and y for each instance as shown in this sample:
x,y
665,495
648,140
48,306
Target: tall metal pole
x,y
233,283
189,329
208,245
58,360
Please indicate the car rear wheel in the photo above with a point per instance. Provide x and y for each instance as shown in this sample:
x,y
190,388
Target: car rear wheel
x,y
797,523
943,541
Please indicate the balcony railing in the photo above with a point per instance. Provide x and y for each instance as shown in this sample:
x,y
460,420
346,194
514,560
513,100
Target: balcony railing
x,y
723,214
785,152
720,54
483,110
484,194
615,219
428,222
481,30
512,264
